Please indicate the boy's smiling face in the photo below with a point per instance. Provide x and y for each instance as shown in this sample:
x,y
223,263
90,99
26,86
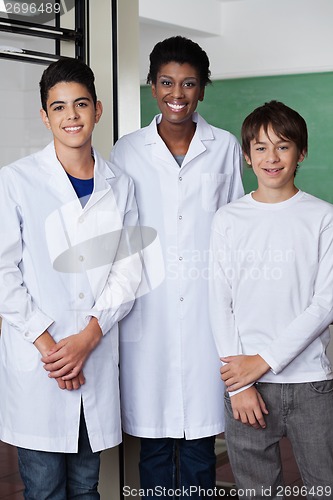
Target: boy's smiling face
x,y
274,160
71,115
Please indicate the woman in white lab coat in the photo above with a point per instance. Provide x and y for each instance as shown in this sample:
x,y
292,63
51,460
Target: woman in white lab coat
x,y
184,169
58,282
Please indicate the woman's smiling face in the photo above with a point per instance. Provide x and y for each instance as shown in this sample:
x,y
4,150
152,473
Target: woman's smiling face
x,y
177,91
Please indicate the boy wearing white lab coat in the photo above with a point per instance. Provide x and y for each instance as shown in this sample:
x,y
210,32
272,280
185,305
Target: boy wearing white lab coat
x,y
271,304
184,169
63,288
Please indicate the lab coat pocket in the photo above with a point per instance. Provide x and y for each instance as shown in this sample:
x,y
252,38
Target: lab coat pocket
x,y
131,326
18,354
214,190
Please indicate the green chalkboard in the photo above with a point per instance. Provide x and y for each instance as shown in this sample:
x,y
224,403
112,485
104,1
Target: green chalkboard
x,y
228,102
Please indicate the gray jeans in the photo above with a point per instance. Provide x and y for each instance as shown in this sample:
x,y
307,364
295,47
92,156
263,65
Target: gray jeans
x,y
303,413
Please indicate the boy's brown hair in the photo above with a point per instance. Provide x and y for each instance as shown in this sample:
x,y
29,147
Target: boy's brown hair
x,y
286,123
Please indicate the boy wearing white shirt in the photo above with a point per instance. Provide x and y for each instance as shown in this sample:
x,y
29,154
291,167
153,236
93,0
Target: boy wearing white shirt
x,y
271,303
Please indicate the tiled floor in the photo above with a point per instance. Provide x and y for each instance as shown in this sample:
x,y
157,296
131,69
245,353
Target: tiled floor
x,y
11,486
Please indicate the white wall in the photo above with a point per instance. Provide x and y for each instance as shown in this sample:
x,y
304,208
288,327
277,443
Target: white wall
x,y
128,69
257,37
21,129
265,37
201,15
128,66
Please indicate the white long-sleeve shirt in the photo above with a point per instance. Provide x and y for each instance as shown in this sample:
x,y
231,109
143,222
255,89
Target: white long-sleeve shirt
x,y
271,286
169,367
57,269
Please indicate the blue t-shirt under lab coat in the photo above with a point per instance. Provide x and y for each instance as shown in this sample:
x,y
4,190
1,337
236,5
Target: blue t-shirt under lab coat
x,y
82,187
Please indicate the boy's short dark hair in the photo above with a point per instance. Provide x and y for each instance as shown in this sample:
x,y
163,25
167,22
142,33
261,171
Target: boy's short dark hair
x,y
66,70
286,123
180,50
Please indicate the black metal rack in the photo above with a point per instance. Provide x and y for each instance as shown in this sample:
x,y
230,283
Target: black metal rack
x,y
56,33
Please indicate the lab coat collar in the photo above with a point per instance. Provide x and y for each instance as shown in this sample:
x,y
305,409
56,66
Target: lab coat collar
x,y
204,130
203,133
102,175
49,162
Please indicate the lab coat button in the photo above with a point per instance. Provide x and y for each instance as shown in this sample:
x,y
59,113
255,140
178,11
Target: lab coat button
x,y
180,258
180,178
180,217
81,219
181,299
81,295
81,258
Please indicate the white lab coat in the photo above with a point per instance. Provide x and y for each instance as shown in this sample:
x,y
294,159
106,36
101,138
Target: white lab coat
x,y
44,233
170,380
